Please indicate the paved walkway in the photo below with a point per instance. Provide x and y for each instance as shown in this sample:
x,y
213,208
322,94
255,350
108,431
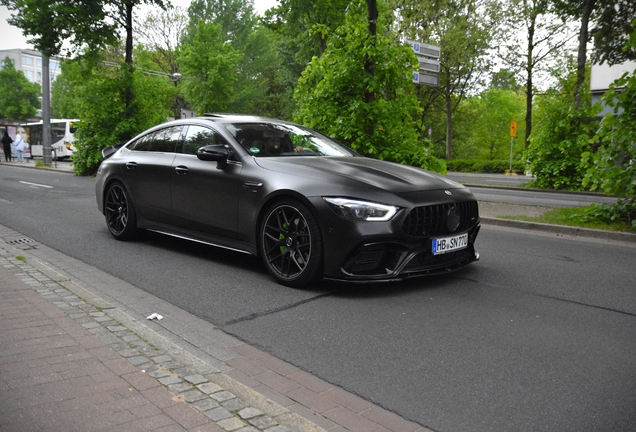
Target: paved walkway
x,y
77,353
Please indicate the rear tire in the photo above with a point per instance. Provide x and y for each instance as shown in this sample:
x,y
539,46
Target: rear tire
x,y
119,211
290,244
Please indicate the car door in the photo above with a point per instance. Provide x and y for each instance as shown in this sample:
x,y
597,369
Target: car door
x,y
147,173
204,195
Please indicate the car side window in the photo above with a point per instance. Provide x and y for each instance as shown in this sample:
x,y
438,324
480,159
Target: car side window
x,y
142,144
164,140
199,136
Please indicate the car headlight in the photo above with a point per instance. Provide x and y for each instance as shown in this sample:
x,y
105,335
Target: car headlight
x,y
361,210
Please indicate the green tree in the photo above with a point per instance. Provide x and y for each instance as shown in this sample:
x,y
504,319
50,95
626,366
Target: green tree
x,y
505,79
47,24
251,79
534,50
464,30
210,68
19,98
159,33
99,91
610,23
332,93
562,135
612,168
236,18
304,27
486,119
614,25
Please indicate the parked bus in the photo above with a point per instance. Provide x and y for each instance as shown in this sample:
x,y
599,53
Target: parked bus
x,y
62,138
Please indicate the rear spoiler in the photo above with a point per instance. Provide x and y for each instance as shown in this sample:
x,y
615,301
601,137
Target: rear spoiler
x,y
111,150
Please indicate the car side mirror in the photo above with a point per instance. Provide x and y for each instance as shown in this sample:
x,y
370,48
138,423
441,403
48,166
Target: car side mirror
x,y
218,153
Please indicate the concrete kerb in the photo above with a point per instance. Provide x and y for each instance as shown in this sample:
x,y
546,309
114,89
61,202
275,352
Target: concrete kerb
x,y
562,229
279,414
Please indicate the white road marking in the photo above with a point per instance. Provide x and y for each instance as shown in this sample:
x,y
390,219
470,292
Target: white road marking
x,y
36,184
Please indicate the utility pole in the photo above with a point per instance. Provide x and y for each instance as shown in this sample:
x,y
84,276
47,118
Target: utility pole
x,y
46,111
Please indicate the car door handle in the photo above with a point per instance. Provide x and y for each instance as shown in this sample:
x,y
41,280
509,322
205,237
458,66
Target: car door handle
x,y
254,186
181,170
131,165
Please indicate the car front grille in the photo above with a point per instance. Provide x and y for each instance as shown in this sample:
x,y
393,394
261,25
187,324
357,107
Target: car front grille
x,y
432,220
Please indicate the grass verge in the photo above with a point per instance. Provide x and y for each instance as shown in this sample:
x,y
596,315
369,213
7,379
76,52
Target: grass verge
x,y
573,217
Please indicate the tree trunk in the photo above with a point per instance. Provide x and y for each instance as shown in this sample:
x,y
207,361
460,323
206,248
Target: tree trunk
x,y
449,125
128,80
529,70
586,10
129,34
46,111
369,66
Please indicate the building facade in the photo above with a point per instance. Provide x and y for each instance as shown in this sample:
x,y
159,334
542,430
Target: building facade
x,y
30,63
603,75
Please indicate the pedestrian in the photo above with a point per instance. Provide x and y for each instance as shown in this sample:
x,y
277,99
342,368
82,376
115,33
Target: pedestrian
x,y
19,147
6,146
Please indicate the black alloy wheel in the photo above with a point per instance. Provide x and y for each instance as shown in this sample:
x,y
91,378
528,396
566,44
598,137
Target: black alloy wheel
x,y
291,245
120,213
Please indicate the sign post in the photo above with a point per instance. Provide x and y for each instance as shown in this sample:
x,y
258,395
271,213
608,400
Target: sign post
x,y
513,134
428,63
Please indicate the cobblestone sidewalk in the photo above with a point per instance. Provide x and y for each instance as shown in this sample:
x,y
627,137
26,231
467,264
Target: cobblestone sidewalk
x,y
149,371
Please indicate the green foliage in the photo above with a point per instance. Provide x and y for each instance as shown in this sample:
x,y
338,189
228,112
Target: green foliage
x,y
105,122
591,217
622,214
209,68
485,123
560,136
463,30
19,98
333,94
65,101
49,23
484,165
612,169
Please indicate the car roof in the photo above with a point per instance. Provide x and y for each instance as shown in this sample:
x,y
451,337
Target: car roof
x,y
238,118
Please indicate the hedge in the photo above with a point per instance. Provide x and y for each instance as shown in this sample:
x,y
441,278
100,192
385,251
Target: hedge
x,y
483,166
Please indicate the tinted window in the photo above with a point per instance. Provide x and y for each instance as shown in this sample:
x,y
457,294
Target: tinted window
x,y
272,139
142,144
164,140
199,136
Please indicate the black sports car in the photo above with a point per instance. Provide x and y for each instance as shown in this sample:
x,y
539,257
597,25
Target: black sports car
x,y
308,206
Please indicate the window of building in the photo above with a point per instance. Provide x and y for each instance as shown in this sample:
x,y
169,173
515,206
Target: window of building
x,y
28,61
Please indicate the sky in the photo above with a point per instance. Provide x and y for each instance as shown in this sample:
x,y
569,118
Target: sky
x,y
12,38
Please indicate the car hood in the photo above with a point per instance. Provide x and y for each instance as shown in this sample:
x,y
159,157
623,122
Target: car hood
x,y
379,174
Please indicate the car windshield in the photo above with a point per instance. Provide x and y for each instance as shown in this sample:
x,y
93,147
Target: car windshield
x,y
272,139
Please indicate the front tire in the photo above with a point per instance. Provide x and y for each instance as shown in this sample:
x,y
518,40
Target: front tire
x,y
119,211
291,245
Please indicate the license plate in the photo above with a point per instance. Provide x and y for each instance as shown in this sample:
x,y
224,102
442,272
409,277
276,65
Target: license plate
x,y
450,244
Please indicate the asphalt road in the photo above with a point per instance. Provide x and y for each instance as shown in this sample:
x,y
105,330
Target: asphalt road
x,y
538,335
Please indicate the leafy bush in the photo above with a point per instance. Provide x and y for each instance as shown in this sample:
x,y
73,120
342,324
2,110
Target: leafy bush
x,y
622,213
483,166
560,136
105,119
612,169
